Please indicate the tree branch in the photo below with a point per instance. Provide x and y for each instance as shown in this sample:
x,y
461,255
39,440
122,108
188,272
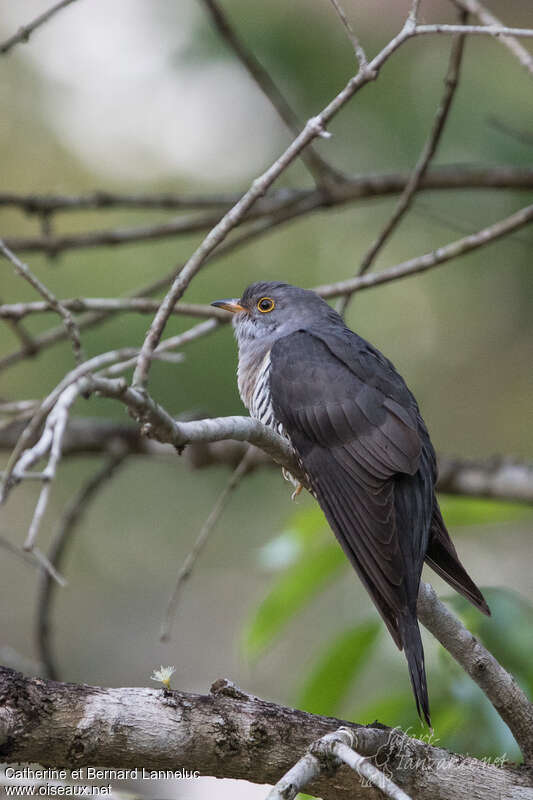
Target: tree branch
x,y
23,34
487,18
354,187
318,168
207,529
226,734
433,259
313,128
511,703
428,152
58,548
24,271
110,305
499,478
293,203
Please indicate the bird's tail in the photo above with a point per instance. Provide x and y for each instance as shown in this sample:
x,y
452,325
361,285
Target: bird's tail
x,y
442,556
414,652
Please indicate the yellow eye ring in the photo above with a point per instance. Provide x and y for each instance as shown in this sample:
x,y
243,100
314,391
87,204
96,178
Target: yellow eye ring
x,y
265,304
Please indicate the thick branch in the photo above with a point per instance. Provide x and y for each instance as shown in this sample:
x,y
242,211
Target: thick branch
x,y
499,478
226,734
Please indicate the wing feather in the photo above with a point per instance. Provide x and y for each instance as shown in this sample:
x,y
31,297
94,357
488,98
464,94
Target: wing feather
x,y
355,426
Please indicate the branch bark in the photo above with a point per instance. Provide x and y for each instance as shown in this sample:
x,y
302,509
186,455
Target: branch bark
x,y
499,477
226,734
499,686
294,202
352,187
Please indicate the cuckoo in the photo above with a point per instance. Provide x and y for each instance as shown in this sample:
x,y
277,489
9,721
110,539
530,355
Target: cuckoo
x,y
361,442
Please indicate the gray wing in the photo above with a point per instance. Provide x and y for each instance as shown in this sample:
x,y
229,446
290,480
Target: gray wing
x,y
357,430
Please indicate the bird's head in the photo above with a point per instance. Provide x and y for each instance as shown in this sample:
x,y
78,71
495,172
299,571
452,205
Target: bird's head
x,y
274,309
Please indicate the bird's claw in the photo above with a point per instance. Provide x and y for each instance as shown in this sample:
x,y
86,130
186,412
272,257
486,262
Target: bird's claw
x,y
297,491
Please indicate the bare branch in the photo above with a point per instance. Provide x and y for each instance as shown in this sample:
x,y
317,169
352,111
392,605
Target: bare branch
x,y
24,33
110,305
356,44
313,128
473,30
60,543
282,206
354,187
101,199
225,734
487,18
24,271
428,152
506,696
75,382
433,259
499,478
20,332
314,162
413,13
203,537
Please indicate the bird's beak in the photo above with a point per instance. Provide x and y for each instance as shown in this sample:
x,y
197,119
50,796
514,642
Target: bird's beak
x,y
229,305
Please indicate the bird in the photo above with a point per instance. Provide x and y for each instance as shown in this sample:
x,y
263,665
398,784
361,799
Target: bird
x,y
360,440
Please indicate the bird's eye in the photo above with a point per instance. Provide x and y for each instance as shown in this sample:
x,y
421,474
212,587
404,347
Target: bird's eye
x,y
265,304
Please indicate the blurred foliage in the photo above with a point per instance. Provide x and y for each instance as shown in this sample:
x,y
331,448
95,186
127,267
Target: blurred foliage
x,y
308,558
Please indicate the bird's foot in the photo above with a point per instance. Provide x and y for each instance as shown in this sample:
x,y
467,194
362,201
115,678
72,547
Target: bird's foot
x,y
297,491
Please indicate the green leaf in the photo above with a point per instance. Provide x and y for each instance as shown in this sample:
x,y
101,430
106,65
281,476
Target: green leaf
x,y
459,511
306,529
290,593
337,668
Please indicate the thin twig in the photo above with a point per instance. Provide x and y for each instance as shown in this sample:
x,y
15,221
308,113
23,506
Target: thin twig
x,y
432,259
24,33
314,162
203,537
352,187
34,559
498,685
487,18
20,332
64,395
413,13
109,305
314,127
102,199
284,205
25,272
352,36
473,30
62,539
428,152
53,439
